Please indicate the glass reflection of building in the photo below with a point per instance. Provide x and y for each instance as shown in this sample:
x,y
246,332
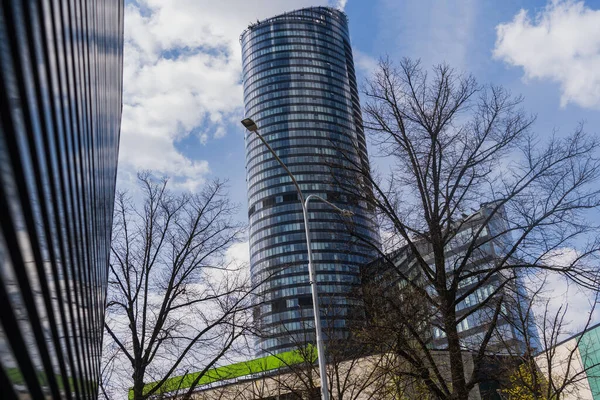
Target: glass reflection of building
x,y
60,110
300,89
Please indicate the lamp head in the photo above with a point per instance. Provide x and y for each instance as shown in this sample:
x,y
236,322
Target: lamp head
x,y
249,124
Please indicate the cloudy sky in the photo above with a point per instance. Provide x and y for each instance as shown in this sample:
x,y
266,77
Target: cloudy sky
x,y
183,92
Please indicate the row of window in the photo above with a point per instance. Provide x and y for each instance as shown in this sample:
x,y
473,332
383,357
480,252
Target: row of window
x,y
298,49
299,227
304,314
274,29
293,110
294,326
298,70
259,184
318,149
468,281
254,198
253,83
301,257
256,83
341,241
504,330
278,342
291,340
288,140
300,96
294,247
248,71
269,182
273,182
454,261
285,139
284,152
326,156
334,89
466,236
293,38
477,297
292,152
275,235
329,170
346,123
290,211
299,290
462,326
306,126
303,280
262,275
340,103
277,170
330,89
287,315
287,59
294,161
334,31
279,86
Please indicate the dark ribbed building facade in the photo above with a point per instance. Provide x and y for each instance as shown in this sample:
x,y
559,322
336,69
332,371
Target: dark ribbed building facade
x,y
300,89
60,109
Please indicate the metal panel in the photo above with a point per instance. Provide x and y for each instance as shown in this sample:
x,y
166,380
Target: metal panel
x,y
60,109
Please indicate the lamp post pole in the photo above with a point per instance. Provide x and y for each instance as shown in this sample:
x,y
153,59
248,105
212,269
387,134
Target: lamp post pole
x,y
252,127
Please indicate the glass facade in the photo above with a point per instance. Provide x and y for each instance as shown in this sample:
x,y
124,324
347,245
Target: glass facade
x,y
300,89
489,240
61,68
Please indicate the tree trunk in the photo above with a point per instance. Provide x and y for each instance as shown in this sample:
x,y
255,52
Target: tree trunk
x,y
138,383
457,370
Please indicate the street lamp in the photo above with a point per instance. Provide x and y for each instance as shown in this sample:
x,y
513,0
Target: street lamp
x,y
250,125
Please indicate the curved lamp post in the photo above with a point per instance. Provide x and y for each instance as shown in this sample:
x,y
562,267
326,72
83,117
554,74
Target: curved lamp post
x,y
250,125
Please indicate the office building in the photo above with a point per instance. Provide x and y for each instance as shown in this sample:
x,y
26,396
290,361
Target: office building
x,y
490,240
300,89
60,108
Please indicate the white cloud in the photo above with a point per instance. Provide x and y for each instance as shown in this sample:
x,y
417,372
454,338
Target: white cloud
x,y
561,43
182,77
339,4
559,292
238,254
364,62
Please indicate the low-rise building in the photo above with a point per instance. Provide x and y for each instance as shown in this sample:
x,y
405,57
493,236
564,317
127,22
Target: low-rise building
x,y
573,365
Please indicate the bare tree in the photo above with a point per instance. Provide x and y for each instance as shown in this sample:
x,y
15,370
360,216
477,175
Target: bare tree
x,y
174,305
478,202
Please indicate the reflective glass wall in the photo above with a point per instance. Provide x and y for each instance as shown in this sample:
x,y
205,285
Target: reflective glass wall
x,y
300,89
60,110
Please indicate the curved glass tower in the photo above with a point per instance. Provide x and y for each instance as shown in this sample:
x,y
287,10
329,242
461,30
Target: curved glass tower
x,y
300,89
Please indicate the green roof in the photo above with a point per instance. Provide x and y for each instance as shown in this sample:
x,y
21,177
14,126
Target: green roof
x,y
232,371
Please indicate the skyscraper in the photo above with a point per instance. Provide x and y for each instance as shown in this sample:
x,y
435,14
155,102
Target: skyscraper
x,y
60,114
300,89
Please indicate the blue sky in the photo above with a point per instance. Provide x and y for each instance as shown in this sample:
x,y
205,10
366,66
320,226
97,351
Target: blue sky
x,y
183,95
